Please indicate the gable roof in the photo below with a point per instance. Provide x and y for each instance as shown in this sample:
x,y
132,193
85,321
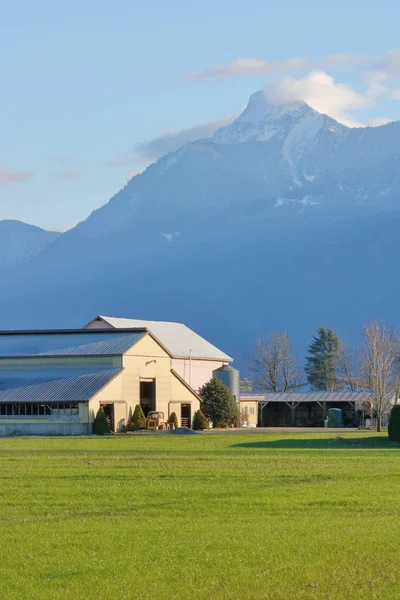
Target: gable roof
x,y
177,338
67,343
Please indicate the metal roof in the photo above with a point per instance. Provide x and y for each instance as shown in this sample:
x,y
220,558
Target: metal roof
x,y
67,343
53,385
310,396
177,338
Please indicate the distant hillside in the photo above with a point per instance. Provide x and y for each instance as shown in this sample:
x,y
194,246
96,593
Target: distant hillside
x,y
20,242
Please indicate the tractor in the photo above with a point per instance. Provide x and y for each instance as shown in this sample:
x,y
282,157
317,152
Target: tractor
x,y
155,421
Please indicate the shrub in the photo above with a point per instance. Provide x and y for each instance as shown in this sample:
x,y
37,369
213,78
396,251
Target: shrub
x,y
199,421
100,424
218,405
173,419
394,424
138,419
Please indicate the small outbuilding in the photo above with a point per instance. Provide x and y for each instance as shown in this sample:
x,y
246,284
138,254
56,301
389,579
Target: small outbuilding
x,y
309,409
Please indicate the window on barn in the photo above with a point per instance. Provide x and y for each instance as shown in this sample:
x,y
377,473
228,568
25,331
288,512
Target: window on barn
x,y
252,410
36,409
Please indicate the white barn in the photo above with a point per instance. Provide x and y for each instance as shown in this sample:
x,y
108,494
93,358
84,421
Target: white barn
x,y
193,357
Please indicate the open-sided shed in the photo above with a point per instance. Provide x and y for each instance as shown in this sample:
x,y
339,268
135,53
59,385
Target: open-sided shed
x,y
309,409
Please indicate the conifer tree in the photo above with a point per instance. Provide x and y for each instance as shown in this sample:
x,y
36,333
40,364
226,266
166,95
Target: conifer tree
x,y
173,419
100,424
218,404
199,421
323,360
394,424
138,418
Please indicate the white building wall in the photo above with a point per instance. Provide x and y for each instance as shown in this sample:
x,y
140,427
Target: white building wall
x,y
144,360
196,372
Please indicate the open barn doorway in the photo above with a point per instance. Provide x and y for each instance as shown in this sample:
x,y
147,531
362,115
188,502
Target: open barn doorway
x,y
109,412
148,395
186,415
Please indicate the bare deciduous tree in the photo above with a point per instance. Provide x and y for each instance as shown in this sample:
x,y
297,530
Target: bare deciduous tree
x,y
379,363
348,369
273,363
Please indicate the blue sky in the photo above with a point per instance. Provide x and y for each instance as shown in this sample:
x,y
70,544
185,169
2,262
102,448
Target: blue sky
x,y
88,87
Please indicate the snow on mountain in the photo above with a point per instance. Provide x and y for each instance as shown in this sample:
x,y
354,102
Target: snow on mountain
x,y
295,124
261,120
281,220
20,242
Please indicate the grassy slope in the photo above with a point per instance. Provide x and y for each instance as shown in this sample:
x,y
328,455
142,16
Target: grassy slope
x,y
208,516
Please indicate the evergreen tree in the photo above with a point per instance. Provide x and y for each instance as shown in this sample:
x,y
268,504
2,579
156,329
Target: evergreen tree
x,y
100,424
173,419
322,361
138,418
199,421
218,404
394,424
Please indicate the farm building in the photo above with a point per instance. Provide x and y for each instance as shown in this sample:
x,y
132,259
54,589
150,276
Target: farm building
x,y
53,382
192,357
308,409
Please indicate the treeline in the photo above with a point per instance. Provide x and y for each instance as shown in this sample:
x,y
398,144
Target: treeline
x,y
330,366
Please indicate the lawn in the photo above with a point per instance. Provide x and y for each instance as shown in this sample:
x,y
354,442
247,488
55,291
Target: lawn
x,y
203,517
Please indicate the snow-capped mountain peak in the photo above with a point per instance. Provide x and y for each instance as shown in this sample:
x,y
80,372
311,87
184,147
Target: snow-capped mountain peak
x,y
261,120
258,108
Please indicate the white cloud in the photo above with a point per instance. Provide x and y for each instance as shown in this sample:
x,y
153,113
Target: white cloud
x,y
378,121
67,175
376,82
389,64
151,150
170,141
317,88
7,176
321,92
346,61
248,66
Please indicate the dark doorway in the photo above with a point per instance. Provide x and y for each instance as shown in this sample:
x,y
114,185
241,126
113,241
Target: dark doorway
x,y
186,415
147,395
109,412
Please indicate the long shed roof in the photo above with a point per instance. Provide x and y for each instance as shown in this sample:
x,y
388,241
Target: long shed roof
x,y
53,385
309,396
67,343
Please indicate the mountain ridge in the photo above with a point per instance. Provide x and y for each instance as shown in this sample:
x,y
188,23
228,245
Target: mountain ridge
x,y
20,242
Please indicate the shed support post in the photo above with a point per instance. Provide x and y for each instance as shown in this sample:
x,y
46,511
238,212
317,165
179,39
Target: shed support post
x,y
261,406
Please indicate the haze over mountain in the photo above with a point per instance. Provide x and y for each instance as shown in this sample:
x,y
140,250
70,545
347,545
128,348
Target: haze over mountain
x,y
284,219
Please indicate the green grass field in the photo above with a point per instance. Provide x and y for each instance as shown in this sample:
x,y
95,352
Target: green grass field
x,y
207,516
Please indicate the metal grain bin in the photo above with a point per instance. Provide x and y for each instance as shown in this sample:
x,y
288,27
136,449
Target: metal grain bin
x,y
230,377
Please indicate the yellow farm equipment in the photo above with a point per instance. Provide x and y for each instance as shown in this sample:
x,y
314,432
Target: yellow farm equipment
x,y
155,421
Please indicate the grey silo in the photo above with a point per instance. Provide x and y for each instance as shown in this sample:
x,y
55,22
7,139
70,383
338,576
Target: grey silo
x,y
230,377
